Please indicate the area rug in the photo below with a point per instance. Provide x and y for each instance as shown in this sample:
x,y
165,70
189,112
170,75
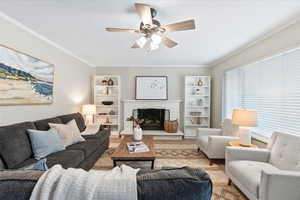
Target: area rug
x,y
179,154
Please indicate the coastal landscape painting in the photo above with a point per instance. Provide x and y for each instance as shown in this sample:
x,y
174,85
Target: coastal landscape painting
x,y
24,79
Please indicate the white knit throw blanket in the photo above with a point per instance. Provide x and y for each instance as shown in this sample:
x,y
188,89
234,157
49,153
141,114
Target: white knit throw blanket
x,y
76,184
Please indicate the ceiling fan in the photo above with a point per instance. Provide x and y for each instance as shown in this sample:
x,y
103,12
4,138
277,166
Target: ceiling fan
x,y
152,30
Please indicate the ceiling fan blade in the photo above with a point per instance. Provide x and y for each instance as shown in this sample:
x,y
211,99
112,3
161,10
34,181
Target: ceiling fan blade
x,y
181,26
168,42
122,30
144,11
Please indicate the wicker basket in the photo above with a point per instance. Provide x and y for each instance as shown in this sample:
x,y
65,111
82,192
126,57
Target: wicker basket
x,y
171,126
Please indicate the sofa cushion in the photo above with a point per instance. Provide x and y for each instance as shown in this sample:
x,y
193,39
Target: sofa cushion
x,y
43,124
88,147
18,184
175,183
15,144
78,118
68,133
183,183
249,173
66,158
285,152
2,164
40,165
44,143
25,163
203,142
102,136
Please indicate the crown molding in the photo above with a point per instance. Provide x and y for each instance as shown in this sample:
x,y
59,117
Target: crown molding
x,y
255,41
43,38
152,66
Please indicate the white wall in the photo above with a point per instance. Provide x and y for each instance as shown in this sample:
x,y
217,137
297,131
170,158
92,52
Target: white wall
x,y
175,79
285,39
71,77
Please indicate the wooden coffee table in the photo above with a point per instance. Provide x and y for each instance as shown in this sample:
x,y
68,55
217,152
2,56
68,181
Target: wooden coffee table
x,y
122,154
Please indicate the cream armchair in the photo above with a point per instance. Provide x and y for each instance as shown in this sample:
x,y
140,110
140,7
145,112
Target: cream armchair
x,y
212,142
267,174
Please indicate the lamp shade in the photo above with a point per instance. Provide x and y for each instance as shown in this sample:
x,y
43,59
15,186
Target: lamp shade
x,y
89,109
247,118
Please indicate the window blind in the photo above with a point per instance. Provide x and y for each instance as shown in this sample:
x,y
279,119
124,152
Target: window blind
x,y
272,88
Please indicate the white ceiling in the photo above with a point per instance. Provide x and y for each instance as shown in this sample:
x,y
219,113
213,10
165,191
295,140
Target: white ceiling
x,y
222,27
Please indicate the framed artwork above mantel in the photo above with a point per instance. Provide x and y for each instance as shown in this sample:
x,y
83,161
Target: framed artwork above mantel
x,y
151,88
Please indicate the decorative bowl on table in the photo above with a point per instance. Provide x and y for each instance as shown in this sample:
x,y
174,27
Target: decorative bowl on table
x,y
107,103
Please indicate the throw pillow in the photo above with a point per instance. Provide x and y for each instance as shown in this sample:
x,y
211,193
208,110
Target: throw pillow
x,y
91,130
44,143
69,133
39,165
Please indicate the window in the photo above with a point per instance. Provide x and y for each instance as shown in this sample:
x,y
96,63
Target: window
x,y
272,88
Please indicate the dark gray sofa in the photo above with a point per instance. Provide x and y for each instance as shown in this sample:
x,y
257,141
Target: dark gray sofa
x,y
175,184
15,147
15,152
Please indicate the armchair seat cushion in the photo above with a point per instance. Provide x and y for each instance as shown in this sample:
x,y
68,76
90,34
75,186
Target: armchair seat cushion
x,y
249,173
203,142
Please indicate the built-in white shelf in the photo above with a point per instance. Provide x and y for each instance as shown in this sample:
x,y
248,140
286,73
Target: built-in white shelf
x,y
108,115
197,104
108,86
196,116
105,92
197,125
101,95
107,106
199,95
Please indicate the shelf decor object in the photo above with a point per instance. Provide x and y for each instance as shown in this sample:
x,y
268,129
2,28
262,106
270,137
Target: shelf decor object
x,y
24,79
245,119
151,88
196,104
89,110
107,96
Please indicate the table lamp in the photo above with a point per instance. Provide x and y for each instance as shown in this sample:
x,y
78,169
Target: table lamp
x,y
245,119
89,110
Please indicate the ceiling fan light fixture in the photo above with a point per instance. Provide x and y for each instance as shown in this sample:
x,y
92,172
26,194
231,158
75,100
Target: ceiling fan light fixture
x,y
153,46
156,39
141,41
152,30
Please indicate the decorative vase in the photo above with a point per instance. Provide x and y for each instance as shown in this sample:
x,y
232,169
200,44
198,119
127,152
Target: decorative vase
x,y
200,83
110,82
104,82
112,112
137,133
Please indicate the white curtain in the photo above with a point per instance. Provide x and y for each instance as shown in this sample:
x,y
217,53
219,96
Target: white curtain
x,y
272,88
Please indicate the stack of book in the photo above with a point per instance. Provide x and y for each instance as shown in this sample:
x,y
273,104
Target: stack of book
x,y
137,147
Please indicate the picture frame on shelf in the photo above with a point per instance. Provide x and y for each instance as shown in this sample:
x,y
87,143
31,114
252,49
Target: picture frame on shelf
x,y
151,88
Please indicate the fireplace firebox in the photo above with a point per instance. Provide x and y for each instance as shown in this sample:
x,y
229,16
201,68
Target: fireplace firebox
x,y
153,119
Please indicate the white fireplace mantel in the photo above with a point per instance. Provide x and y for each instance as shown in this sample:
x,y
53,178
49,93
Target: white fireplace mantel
x,y
129,105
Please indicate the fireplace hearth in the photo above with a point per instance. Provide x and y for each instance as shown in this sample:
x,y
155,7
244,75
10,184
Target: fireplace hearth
x,y
153,119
